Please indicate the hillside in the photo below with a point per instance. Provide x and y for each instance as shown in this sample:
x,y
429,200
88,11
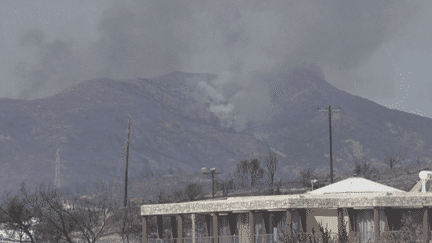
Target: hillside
x,y
175,130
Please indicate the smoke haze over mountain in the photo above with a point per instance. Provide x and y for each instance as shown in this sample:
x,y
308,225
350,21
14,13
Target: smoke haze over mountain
x,y
246,42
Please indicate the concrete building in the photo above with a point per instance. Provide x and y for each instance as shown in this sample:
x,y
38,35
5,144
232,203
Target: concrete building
x,y
355,203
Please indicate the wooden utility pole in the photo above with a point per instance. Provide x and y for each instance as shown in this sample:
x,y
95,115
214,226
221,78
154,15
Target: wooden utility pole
x,y
330,132
57,180
127,157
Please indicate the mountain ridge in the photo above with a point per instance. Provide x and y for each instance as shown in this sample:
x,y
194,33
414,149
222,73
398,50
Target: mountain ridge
x,y
174,129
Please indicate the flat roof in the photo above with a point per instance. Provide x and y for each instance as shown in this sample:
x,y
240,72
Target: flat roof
x,y
283,202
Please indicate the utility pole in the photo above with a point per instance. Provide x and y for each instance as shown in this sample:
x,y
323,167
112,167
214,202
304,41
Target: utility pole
x,y
330,132
127,157
57,179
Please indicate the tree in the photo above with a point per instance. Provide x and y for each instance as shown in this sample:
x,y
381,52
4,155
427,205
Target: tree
x,y
193,190
127,222
393,159
225,186
17,217
55,224
363,166
242,173
256,172
179,196
47,215
41,215
90,215
249,173
305,177
271,164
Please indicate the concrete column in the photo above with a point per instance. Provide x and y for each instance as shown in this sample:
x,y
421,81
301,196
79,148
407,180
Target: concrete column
x,y
229,224
351,221
289,222
173,227
179,228
232,223
159,226
251,227
303,219
207,223
340,219
215,228
193,228
144,230
426,227
265,216
270,223
377,224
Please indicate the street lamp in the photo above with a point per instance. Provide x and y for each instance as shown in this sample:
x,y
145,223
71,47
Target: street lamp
x,y
313,181
212,172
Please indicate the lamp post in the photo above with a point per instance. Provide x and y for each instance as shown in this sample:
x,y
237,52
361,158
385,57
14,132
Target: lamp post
x,y
212,172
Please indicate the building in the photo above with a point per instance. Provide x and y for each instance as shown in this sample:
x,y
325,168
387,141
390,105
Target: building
x,y
355,203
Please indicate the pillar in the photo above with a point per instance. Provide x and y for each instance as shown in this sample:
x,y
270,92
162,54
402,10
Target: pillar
x,y
270,223
376,224
351,221
339,219
426,227
215,228
303,218
193,228
265,221
159,226
207,223
289,222
251,227
232,223
144,230
179,228
173,227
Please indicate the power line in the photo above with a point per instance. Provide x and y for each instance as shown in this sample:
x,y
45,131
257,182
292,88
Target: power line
x,y
330,135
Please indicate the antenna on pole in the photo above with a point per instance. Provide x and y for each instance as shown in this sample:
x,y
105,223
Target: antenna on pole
x,y
127,157
330,135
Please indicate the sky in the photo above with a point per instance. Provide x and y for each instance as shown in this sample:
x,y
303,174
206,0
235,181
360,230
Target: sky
x,y
379,50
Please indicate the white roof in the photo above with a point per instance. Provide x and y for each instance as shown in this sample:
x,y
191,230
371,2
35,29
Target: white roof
x,y
354,185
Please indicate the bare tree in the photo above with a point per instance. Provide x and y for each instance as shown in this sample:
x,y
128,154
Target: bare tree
x,y
17,217
91,214
161,197
393,159
55,224
127,222
225,186
305,177
256,172
242,173
249,173
271,164
193,190
363,167
41,215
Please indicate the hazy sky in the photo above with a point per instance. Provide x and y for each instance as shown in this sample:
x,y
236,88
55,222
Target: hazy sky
x,y
379,50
